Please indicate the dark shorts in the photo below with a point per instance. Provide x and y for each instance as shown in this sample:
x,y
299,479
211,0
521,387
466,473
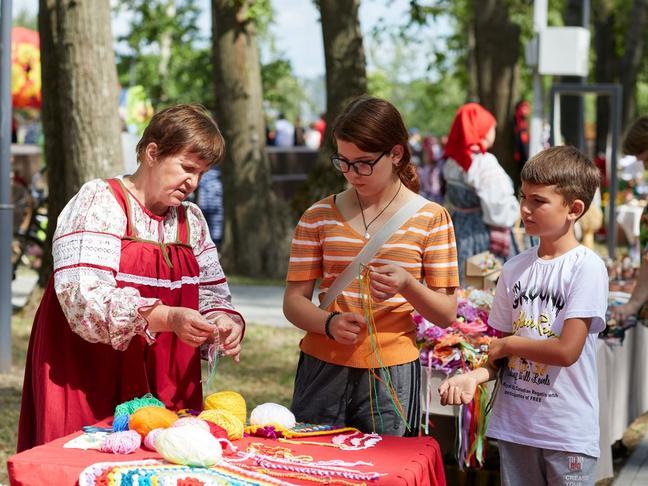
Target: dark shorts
x,y
330,394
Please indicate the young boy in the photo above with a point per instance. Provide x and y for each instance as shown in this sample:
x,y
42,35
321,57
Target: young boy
x,y
551,299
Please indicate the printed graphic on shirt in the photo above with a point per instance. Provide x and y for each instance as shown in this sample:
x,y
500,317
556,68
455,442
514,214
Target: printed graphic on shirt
x,y
538,309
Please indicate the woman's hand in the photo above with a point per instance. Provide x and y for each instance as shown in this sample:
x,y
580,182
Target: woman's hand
x,y
346,327
230,334
190,326
458,390
387,281
620,312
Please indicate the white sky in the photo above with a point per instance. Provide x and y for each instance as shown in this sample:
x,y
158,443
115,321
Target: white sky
x,y
296,28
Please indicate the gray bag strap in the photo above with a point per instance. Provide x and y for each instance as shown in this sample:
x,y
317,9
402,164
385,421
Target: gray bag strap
x,y
369,250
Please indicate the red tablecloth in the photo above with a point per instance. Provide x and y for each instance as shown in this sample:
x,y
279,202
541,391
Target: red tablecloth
x,y
415,461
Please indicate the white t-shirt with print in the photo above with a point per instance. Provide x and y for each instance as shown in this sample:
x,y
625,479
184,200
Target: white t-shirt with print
x,y
550,407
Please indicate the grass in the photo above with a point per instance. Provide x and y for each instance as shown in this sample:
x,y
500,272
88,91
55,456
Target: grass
x,y
267,282
265,374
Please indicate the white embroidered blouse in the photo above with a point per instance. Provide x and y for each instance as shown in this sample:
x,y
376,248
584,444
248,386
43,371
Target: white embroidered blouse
x,y
87,252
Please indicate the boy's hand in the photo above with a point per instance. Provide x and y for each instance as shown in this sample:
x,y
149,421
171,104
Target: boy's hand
x,y
387,281
458,390
498,349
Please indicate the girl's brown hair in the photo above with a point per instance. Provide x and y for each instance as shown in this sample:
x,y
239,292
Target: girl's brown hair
x,y
375,125
636,139
183,128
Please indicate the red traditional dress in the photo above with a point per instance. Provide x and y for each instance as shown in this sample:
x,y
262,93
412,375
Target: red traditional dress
x,y
90,349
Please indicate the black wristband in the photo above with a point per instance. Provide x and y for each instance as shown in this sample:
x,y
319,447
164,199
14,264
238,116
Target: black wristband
x,y
327,325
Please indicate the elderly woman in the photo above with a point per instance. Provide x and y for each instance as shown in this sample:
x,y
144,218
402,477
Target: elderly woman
x,y
480,193
636,143
137,289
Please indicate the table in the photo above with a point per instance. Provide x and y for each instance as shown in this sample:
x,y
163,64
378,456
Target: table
x,y
407,461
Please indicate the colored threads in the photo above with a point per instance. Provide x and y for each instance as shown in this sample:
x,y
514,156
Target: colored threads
x,y
377,371
231,401
226,420
148,418
125,442
120,423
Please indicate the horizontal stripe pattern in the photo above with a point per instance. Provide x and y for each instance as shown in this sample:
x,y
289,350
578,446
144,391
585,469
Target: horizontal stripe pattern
x,y
324,244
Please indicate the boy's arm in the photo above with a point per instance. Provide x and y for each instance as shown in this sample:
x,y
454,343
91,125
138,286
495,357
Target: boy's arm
x,y
460,389
563,350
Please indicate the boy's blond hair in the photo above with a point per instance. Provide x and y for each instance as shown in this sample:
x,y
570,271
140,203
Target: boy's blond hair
x,y
574,175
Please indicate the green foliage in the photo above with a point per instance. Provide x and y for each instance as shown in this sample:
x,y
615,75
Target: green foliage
x,y
140,60
282,91
24,18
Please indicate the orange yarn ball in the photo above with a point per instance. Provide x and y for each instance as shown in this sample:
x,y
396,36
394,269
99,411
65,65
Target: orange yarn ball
x,y
146,419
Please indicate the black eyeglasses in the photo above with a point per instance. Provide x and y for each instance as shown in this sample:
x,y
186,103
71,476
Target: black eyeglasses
x,y
360,168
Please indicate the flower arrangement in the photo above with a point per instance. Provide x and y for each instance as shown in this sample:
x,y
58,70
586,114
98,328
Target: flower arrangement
x,y
464,344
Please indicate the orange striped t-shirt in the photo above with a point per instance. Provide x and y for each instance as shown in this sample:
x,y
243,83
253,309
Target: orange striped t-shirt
x,y
324,244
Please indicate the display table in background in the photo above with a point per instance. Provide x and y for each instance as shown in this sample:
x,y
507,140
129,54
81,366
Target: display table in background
x,y
407,461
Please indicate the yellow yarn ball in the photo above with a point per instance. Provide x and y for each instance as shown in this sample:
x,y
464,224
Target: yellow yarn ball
x,y
230,401
146,419
232,425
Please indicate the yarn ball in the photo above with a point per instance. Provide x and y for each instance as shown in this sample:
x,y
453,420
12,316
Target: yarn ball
x,y
181,422
225,419
228,400
124,442
124,410
272,414
120,423
188,446
151,437
148,418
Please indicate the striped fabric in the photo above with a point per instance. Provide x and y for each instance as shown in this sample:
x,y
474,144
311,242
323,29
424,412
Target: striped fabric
x,y
324,244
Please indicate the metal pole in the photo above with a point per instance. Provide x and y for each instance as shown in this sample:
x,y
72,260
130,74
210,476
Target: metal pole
x,y
6,208
615,101
537,109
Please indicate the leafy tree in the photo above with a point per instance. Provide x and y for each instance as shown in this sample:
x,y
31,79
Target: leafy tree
x,y
282,91
165,52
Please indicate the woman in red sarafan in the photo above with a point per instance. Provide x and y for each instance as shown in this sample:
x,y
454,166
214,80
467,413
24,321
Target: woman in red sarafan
x,y
137,289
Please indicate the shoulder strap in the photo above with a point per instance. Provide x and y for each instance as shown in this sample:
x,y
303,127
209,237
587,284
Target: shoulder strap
x,y
118,191
366,254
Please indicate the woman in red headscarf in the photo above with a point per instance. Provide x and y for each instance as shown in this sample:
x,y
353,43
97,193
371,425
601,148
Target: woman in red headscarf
x,y
481,194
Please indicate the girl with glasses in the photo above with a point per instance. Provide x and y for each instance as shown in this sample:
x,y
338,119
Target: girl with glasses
x,y
415,269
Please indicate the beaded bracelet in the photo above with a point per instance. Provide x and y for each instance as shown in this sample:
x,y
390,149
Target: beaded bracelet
x,y
327,325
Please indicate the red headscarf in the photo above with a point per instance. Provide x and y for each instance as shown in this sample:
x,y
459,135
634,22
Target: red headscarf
x,y
471,124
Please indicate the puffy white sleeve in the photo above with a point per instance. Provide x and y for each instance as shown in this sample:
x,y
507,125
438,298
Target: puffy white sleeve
x,y
214,295
87,251
495,190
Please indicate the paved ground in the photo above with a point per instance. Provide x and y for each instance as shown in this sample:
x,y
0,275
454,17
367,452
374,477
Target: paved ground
x,y
259,304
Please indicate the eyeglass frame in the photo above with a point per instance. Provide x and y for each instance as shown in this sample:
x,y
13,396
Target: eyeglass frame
x,y
352,165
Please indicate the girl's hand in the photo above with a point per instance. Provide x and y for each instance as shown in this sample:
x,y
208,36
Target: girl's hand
x,y
230,335
190,326
346,327
387,281
620,312
458,390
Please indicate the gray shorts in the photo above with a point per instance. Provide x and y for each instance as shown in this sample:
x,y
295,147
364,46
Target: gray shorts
x,y
330,394
532,466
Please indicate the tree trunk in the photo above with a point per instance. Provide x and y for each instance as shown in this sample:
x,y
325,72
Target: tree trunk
x,y
632,57
255,241
497,51
605,70
80,101
346,77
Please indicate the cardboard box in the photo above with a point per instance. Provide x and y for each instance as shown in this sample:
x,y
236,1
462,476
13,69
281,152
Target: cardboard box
x,y
482,271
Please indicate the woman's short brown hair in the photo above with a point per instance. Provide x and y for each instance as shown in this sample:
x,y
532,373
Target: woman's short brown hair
x,y
375,125
183,128
574,175
636,139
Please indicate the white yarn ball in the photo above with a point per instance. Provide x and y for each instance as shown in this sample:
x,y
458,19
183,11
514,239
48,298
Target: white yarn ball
x,y
189,445
272,414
